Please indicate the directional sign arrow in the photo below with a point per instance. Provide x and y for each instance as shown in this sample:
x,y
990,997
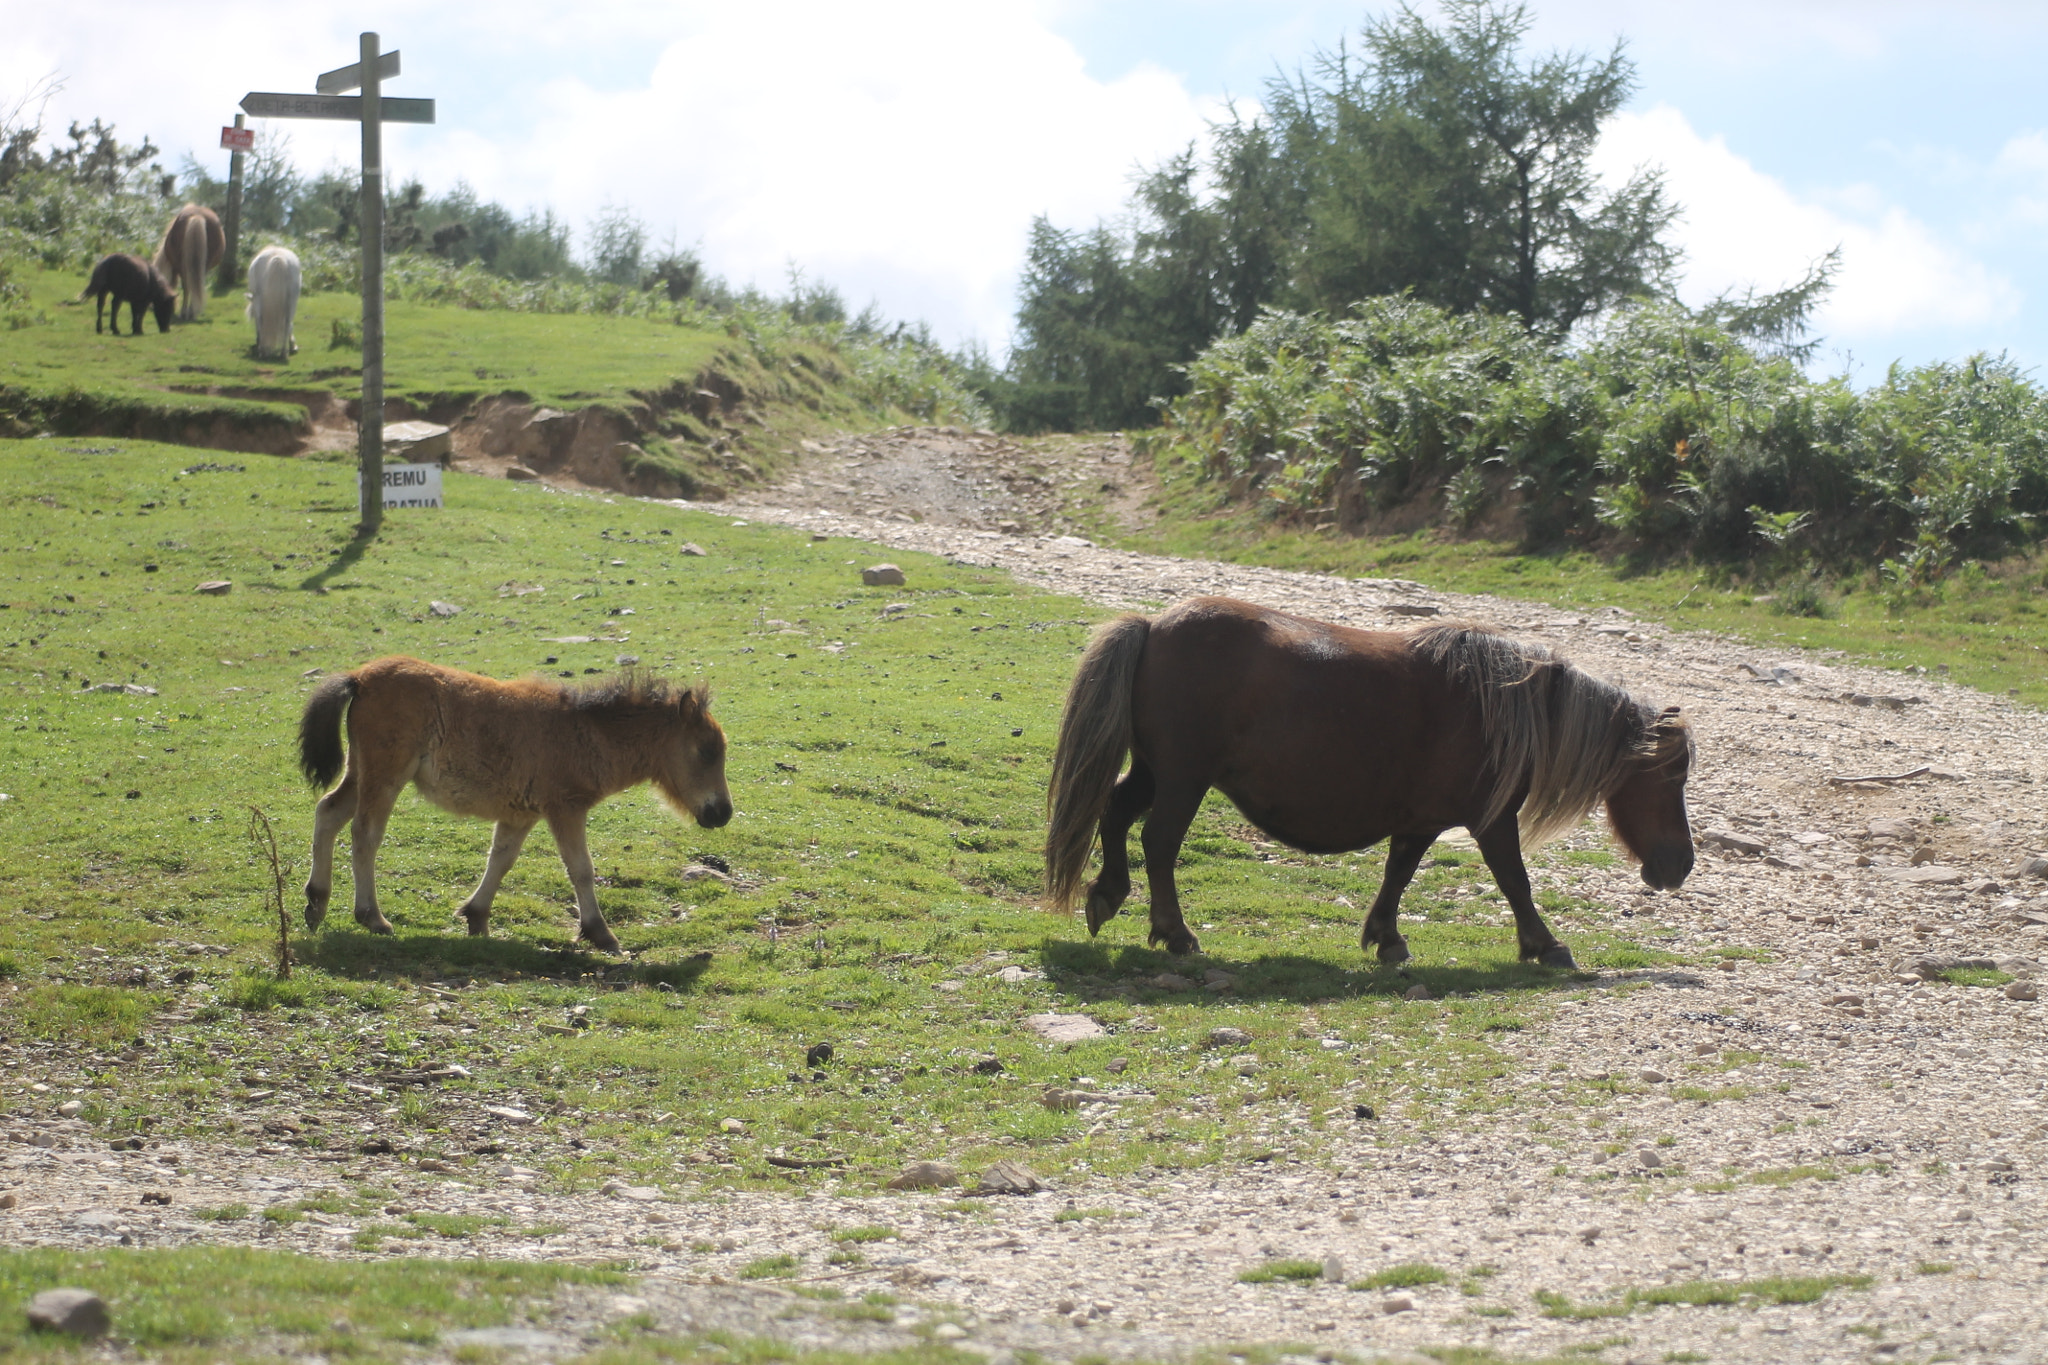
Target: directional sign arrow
x,y
350,77
348,107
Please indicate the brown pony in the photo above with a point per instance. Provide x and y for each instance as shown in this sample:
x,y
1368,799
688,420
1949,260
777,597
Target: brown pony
x,y
515,753
193,244
1332,739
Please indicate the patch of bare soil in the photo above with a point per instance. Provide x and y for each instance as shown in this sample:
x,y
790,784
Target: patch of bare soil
x,y
1786,1101
976,480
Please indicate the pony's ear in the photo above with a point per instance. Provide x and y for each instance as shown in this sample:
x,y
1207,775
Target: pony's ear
x,y
691,701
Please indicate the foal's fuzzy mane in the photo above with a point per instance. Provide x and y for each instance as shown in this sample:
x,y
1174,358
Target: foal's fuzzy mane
x,y
633,692
1571,737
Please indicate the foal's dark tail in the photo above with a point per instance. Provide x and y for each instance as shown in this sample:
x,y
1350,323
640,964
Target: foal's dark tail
x,y
320,754
1095,734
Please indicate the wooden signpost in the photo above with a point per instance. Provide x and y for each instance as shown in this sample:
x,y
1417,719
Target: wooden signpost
x,y
236,140
372,110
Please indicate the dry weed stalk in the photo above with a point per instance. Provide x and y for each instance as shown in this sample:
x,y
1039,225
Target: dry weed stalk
x,y
266,844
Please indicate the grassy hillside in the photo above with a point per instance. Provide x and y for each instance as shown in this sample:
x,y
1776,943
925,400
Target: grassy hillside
x,y
780,381
889,748
431,352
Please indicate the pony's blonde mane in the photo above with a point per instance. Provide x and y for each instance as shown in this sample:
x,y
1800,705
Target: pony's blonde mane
x,y
1571,737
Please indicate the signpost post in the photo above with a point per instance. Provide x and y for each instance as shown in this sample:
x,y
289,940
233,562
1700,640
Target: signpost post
x,y
237,140
373,111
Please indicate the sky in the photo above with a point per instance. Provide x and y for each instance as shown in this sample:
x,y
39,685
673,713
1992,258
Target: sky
x,y
899,149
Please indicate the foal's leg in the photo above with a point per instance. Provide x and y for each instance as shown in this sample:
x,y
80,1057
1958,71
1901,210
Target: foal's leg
x,y
373,812
336,809
1173,811
1501,845
571,842
1130,798
1404,855
506,839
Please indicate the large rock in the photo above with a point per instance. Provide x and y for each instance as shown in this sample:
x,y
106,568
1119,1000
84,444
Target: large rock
x,y
926,1175
417,442
1007,1177
76,1312
1926,874
1733,842
1064,1028
882,576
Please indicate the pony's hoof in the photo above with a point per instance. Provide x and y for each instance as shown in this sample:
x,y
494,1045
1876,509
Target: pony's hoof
x,y
1393,954
479,922
1557,955
604,940
1179,942
1100,911
375,923
315,916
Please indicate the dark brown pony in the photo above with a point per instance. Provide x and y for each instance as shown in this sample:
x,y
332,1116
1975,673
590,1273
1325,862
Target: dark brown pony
x,y
1332,739
515,753
133,281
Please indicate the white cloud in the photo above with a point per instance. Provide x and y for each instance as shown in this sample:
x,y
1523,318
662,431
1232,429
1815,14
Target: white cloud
x,y
1742,228
902,155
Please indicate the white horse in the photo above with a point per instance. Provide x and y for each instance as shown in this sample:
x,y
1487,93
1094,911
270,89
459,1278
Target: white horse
x,y
273,299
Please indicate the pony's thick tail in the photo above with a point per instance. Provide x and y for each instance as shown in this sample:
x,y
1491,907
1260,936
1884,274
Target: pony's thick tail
x,y
1095,734
195,266
320,753
163,262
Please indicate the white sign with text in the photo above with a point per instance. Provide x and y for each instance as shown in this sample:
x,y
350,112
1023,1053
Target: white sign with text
x,y
412,485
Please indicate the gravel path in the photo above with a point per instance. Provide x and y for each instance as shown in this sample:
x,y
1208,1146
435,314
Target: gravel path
x,y
1872,1125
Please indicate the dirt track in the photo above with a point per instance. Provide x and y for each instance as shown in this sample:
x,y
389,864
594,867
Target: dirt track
x,y
1928,1103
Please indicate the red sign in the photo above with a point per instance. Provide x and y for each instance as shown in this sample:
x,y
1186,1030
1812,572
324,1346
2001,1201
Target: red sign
x,y
237,139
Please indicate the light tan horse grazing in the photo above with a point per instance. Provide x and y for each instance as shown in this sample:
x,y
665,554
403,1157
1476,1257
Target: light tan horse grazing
x,y
193,244
516,753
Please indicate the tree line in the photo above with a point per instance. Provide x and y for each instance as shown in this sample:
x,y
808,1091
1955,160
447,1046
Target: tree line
x,y
1430,160
1399,296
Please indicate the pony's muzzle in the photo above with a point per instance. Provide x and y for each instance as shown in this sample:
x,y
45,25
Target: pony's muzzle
x,y
1668,866
715,812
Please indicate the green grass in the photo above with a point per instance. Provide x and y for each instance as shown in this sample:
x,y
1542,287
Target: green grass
x,y
222,1213
440,358
1408,1275
1934,1268
202,1304
562,360
1984,978
454,1225
1282,1272
1776,1289
863,1234
1986,626
1781,1176
888,840
769,1268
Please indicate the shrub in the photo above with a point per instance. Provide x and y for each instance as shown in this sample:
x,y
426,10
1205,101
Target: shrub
x,y
1661,429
